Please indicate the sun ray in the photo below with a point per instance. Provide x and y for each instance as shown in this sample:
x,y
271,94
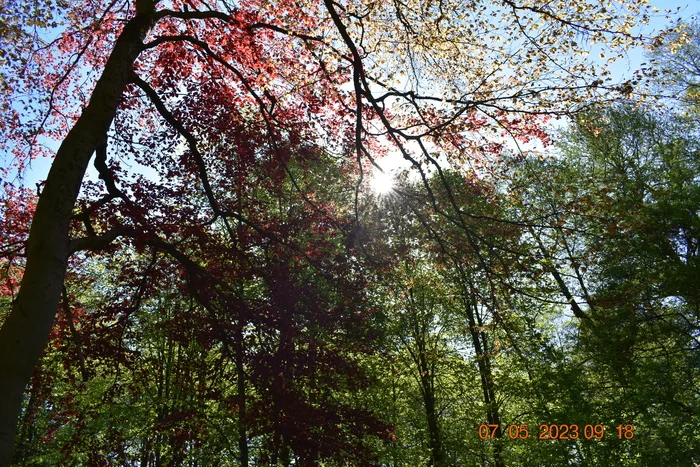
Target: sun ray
x,y
382,183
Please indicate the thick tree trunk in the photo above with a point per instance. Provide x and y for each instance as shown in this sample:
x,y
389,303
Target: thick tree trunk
x,y
24,333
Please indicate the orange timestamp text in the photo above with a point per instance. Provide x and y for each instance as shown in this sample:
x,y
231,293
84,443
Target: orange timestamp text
x,y
554,431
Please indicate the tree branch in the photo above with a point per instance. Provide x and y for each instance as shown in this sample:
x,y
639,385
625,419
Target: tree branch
x,y
192,15
189,137
97,242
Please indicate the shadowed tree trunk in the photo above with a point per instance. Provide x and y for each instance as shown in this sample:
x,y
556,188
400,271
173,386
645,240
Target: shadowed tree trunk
x,y
431,413
423,354
26,330
481,345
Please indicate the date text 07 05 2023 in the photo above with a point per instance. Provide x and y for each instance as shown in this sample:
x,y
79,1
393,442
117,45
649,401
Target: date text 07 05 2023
x,y
555,431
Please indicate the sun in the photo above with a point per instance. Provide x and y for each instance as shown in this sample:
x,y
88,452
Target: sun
x,y
382,183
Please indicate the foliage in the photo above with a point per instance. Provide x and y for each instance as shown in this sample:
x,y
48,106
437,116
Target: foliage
x,y
226,292
676,59
622,204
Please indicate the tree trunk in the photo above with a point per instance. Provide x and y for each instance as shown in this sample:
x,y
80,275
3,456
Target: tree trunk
x,y
431,413
480,342
26,330
240,382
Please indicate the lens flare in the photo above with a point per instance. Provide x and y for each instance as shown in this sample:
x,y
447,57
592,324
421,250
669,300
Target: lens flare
x,y
381,182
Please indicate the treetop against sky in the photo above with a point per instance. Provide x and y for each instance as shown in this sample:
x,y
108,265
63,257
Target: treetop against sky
x,y
429,72
259,120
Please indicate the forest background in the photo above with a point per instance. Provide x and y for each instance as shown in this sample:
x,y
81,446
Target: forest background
x,y
231,288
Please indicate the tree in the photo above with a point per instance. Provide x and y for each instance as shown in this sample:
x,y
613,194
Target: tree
x,y
676,60
454,308
256,373
622,232
268,80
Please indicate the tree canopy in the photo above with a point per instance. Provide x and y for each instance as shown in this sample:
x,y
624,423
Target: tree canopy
x,y
224,287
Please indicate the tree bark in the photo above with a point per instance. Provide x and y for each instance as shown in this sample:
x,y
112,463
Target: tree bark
x,y
483,359
240,384
431,414
26,330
